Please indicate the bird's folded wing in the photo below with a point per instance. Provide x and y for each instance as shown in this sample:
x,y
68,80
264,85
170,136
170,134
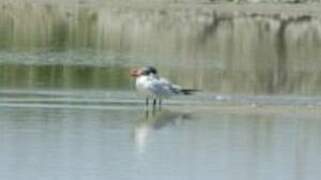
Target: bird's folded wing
x,y
162,87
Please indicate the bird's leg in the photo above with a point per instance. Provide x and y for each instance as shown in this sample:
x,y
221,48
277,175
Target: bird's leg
x,y
154,103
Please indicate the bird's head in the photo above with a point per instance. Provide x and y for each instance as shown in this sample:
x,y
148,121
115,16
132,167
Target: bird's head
x,y
145,71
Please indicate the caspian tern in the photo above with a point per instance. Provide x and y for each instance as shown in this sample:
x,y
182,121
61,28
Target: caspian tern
x,y
149,84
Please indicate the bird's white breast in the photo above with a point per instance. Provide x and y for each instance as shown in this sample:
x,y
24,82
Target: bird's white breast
x,y
142,84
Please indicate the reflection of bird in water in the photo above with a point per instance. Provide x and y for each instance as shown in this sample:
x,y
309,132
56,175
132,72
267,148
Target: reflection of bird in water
x,y
156,120
152,86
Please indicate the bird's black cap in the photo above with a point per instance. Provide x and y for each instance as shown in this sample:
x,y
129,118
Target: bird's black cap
x,y
149,70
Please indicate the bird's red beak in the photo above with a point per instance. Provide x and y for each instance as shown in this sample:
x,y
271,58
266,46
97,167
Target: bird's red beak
x,y
135,72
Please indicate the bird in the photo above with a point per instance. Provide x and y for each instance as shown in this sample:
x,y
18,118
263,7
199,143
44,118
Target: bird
x,y
152,86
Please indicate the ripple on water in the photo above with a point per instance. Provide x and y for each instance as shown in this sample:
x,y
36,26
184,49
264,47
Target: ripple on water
x,y
99,99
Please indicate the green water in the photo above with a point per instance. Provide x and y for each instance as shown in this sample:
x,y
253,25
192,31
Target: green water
x,y
224,51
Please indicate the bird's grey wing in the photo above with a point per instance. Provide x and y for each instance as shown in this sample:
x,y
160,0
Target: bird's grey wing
x,y
173,87
161,88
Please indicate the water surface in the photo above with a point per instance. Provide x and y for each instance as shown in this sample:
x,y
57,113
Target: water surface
x,y
72,142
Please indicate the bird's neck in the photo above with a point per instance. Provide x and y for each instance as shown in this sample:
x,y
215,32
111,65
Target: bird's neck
x,y
147,77
154,76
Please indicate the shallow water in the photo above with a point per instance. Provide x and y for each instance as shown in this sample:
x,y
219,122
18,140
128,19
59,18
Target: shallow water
x,y
110,135
77,142
69,110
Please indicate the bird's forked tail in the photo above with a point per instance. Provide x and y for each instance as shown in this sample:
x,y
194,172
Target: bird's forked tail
x,y
189,91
